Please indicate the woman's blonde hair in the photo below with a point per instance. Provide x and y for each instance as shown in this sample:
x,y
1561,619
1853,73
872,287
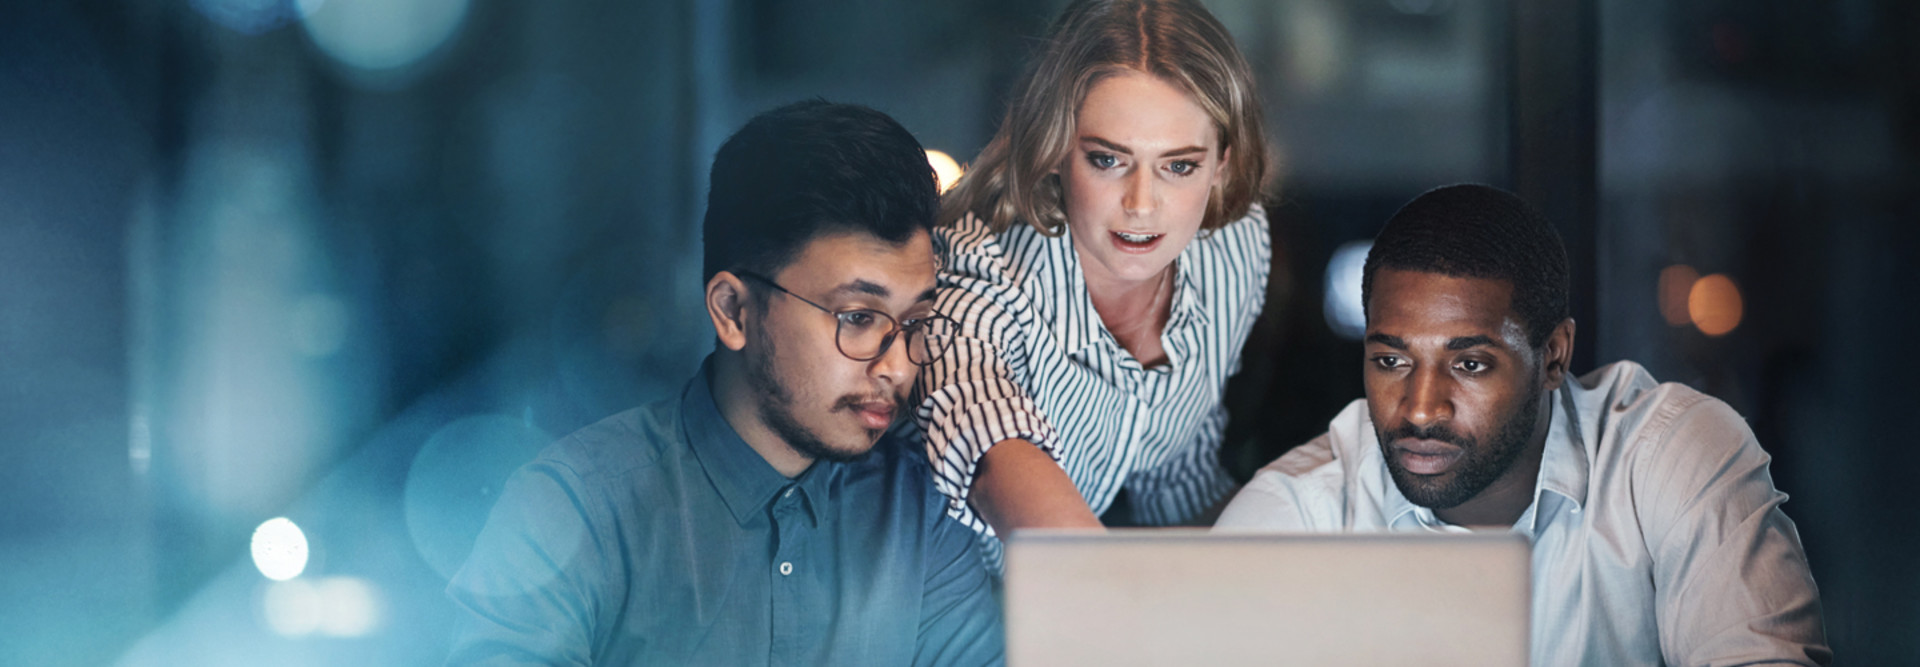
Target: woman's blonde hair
x,y
1176,41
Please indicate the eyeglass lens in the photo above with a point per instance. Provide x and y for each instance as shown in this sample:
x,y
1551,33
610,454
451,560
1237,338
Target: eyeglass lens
x,y
864,334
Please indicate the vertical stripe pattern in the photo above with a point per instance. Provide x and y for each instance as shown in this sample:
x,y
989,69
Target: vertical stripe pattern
x,y
1033,361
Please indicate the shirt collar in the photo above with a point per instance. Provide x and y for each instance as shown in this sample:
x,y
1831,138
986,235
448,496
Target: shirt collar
x,y
1189,293
746,482
1564,464
1063,287
1063,284
1563,472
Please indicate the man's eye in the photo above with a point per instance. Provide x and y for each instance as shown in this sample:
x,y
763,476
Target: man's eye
x,y
1102,160
1471,366
858,318
1183,167
1387,362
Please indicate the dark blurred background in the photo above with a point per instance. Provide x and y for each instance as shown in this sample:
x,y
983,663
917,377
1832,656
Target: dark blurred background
x,y
347,262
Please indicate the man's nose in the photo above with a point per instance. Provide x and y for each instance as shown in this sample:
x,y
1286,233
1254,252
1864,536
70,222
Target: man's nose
x,y
1429,398
893,367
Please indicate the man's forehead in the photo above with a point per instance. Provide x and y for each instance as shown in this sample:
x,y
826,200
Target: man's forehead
x,y
864,263
1423,305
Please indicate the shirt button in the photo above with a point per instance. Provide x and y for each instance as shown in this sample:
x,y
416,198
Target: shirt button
x,y
786,568
788,494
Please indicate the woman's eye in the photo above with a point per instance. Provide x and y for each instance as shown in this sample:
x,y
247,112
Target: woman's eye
x,y
1102,160
1183,167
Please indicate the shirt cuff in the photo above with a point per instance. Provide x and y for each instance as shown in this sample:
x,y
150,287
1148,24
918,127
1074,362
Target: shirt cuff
x,y
958,435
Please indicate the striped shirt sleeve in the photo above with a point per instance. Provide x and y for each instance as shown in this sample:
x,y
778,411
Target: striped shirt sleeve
x,y
972,398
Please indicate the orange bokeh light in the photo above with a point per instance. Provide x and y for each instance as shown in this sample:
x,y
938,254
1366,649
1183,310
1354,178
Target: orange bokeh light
x,y
1714,305
1675,283
944,168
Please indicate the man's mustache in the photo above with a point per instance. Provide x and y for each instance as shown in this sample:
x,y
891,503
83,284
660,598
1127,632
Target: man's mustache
x,y
1437,432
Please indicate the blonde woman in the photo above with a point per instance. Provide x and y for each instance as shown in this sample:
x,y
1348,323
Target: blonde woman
x,y
1105,259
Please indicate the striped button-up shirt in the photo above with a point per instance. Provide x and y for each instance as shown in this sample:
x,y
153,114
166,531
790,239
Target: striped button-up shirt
x,y
1033,361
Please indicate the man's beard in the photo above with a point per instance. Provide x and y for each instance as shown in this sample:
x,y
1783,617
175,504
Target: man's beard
x,y
775,402
1477,469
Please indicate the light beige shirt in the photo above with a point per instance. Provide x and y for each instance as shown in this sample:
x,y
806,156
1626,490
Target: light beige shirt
x,y
1657,533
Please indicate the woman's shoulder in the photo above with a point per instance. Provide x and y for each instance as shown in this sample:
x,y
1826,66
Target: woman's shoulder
x,y
1247,240
971,248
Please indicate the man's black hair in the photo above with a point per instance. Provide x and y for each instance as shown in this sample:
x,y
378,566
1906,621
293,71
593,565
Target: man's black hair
x,y
1476,231
809,169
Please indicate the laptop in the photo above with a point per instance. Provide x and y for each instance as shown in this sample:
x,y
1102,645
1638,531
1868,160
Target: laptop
x,y
1192,597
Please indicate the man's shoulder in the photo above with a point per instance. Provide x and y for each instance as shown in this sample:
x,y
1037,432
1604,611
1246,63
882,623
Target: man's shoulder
x,y
1624,396
896,457
620,445
1636,419
896,469
1307,487
1344,444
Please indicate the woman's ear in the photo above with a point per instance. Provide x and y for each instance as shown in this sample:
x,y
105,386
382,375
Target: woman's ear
x,y
1220,172
727,307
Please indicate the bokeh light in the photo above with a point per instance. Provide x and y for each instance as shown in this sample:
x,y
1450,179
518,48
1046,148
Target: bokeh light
x,y
292,608
1676,282
1346,315
945,168
279,549
252,17
333,606
349,607
1714,304
382,34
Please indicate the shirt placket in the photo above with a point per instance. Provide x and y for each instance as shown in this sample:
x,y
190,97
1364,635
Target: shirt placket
x,y
793,640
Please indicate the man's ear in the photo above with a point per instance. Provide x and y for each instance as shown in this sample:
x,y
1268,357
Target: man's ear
x,y
727,307
1558,354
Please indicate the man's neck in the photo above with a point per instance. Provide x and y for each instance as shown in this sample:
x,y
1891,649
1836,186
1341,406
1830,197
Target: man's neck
x,y
739,405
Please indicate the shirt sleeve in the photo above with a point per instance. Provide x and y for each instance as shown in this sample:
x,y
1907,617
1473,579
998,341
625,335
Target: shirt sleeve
x,y
1731,579
530,594
972,398
1297,492
1188,482
960,621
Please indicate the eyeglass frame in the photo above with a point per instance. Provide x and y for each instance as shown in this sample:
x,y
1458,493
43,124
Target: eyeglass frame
x,y
886,342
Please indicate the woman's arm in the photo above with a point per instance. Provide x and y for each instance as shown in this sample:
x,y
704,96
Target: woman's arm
x,y
1018,486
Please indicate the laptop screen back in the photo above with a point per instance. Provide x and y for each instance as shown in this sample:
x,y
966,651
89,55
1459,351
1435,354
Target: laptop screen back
x,y
1179,597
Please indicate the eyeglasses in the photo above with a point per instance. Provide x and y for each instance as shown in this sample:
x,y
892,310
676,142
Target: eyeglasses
x,y
864,334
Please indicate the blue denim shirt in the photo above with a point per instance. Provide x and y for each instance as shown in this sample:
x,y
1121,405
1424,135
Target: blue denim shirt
x,y
658,536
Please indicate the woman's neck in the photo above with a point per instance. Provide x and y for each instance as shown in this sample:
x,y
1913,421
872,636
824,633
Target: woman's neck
x,y
1135,312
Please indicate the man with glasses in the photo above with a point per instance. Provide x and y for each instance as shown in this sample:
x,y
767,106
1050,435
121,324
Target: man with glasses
x,y
763,516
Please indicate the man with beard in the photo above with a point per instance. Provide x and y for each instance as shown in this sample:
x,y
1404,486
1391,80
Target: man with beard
x,y
759,517
1657,533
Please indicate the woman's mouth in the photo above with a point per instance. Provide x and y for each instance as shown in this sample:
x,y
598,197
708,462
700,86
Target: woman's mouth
x,y
1136,241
